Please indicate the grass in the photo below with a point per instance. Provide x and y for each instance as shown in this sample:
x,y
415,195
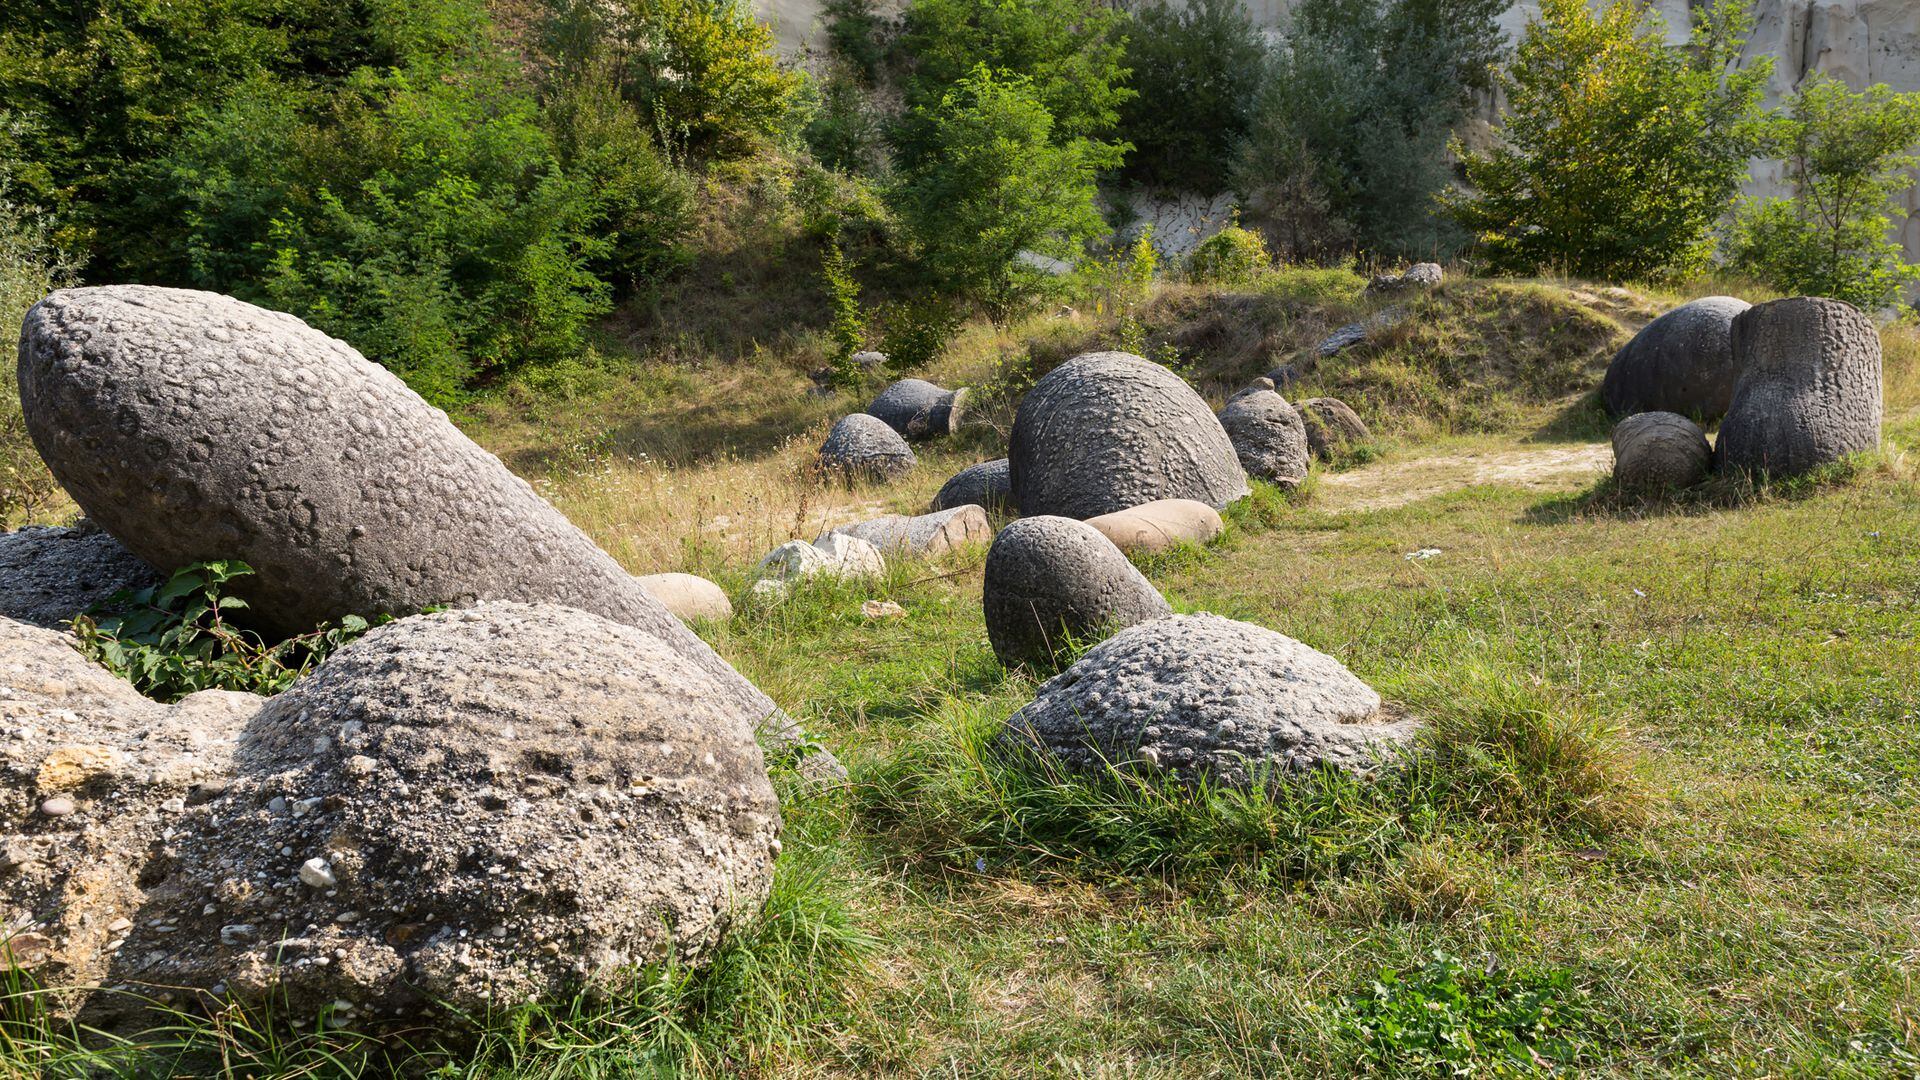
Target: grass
x,y
1667,821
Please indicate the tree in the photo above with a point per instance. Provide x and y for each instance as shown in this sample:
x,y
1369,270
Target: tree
x,y
1349,141
1069,51
1618,152
1195,73
1848,157
997,181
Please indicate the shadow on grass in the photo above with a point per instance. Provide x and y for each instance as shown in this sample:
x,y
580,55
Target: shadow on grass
x,y
1606,501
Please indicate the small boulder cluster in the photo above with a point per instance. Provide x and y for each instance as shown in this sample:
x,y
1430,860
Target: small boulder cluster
x,y
1793,383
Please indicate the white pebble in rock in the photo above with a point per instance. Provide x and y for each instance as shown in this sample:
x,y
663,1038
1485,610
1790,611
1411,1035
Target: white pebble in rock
x,y
57,807
317,874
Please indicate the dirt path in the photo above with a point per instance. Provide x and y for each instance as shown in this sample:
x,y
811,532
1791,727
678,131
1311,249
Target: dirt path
x,y
1397,483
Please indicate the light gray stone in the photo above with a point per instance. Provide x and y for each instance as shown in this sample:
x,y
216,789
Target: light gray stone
x,y
1331,426
1199,695
1359,333
1809,390
1052,582
1681,362
862,447
1107,431
1424,275
1268,436
925,536
1655,451
49,575
919,410
986,485
834,554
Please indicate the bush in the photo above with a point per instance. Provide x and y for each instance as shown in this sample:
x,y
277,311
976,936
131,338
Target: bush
x,y
913,333
1231,256
1619,153
1196,71
1847,155
842,130
996,182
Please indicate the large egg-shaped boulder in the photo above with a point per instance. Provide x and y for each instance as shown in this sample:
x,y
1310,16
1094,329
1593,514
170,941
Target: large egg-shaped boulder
x,y
1809,390
1106,431
1681,362
1053,583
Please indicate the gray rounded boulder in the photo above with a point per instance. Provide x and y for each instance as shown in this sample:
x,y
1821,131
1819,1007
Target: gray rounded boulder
x,y
193,426
1332,426
862,447
473,810
1809,390
1052,582
1681,362
1202,696
985,485
1107,431
1654,451
918,409
1268,435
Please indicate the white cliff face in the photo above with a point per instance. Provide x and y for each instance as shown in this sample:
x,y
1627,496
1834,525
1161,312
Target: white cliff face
x,y
1859,42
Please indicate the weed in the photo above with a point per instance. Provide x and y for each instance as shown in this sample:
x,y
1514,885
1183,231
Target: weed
x,y
1446,1019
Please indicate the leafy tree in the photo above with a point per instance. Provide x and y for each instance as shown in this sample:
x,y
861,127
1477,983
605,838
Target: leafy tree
x,y
1349,141
702,71
997,180
854,31
842,130
1069,51
1848,156
1195,73
1619,153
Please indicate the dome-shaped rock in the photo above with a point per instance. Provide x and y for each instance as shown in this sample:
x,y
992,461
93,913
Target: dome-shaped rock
x,y
688,596
1809,390
1268,436
1107,431
986,485
1654,451
1199,695
1054,581
1681,362
864,447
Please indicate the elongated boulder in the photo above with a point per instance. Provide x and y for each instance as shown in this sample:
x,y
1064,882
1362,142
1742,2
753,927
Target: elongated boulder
x,y
1053,582
1202,696
1332,426
1107,431
925,536
1681,362
193,426
1654,451
473,809
862,447
689,596
1158,526
918,409
1809,389
1267,435
986,485
49,575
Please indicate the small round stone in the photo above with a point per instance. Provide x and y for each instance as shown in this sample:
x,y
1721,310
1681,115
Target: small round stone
x,y
57,807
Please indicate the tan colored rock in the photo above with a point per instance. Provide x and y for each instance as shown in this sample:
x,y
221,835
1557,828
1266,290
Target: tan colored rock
x,y
1157,526
688,596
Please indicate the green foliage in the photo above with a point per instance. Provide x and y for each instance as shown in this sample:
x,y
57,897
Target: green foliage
x,y
848,329
1619,153
995,181
1446,1019
1196,70
1232,256
31,266
1069,52
842,130
914,332
174,639
1847,154
1349,142
703,72
854,31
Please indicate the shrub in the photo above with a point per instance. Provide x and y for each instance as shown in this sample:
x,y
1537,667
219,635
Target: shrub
x,y
1232,256
854,33
175,639
1196,71
842,130
1847,155
913,333
994,183
31,266
848,329
1619,153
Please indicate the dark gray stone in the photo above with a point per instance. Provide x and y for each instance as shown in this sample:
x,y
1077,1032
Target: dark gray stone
x,y
1268,436
1108,431
1331,426
49,575
1809,390
1681,362
985,485
1053,581
1202,696
1653,451
863,447
919,410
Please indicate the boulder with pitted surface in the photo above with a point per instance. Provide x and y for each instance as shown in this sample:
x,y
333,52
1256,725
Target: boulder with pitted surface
x,y
1659,451
1268,435
1053,582
1682,362
1809,390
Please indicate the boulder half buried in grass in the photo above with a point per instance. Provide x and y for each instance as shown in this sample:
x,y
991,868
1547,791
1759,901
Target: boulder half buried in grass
x,y
1158,526
1052,583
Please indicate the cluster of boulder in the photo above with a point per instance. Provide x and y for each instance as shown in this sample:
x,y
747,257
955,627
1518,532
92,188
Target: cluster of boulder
x,y
520,798
1793,383
873,445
